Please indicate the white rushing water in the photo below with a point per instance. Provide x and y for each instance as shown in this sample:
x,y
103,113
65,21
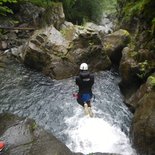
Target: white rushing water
x,y
89,135
51,104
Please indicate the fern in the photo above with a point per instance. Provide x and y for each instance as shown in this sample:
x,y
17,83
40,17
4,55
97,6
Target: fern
x,y
4,9
135,8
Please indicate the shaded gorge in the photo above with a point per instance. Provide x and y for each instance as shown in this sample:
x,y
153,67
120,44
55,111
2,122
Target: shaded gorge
x,y
51,104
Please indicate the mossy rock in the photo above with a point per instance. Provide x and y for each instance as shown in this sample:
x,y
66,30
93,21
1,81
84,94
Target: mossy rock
x,y
151,81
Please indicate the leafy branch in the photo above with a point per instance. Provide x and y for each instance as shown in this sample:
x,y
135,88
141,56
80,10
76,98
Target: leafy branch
x,y
4,9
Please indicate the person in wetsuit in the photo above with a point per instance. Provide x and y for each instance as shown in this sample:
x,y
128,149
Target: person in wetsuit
x,y
84,81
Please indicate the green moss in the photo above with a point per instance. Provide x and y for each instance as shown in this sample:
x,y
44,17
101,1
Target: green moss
x,y
125,32
33,126
151,81
68,33
135,8
107,46
144,69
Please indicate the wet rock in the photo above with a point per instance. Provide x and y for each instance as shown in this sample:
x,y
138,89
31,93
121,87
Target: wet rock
x,y
143,90
143,128
23,136
87,48
128,69
114,43
3,45
143,125
135,67
47,52
29,13
102,29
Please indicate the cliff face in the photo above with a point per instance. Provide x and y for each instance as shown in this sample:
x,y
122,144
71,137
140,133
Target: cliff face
x,y
140,10
138,17
137,67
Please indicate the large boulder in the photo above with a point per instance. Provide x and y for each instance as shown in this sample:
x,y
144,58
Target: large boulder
x,y
144,89
135,67
114,43
47,52
143,128
57,56
24,136
128,69
143,125
87,47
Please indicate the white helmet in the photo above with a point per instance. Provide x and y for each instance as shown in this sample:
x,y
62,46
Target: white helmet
x,y
83,66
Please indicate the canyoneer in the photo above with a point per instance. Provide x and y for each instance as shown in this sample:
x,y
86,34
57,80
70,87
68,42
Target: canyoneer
x,y
85,81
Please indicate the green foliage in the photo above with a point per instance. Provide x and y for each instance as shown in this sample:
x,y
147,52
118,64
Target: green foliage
x,y
4,9
40,3
81,11
68,7
151,81
109,6
144,69
133,54
5,5
134,8
143,65
140,8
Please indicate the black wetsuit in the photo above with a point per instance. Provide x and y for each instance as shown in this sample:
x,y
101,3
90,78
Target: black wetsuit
x,y
85,82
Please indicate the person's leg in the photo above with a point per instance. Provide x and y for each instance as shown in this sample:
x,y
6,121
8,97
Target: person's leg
x,y
89,109
80,102
86,108
88,103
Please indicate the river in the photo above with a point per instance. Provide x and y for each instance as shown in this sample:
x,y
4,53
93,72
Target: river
x,y
51,104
